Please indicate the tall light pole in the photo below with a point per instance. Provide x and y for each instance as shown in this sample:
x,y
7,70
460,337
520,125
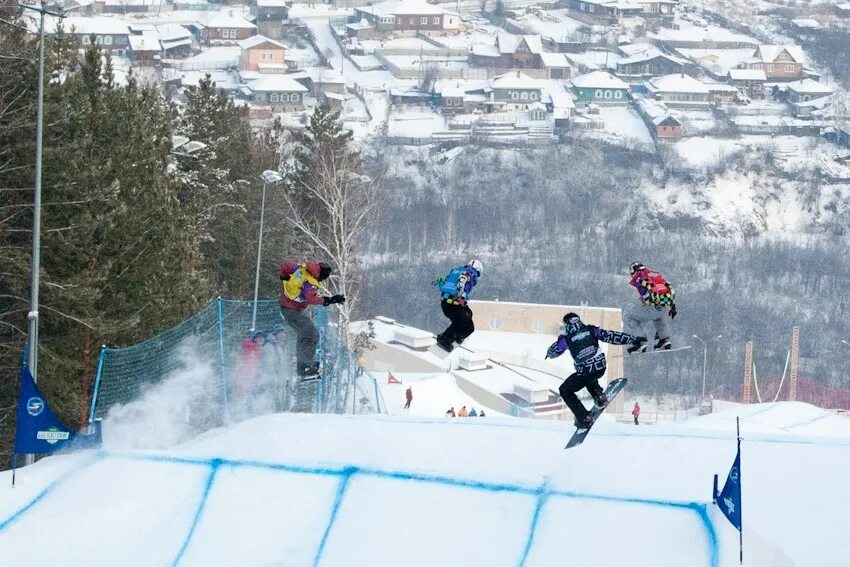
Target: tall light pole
x,y
705,357
268,176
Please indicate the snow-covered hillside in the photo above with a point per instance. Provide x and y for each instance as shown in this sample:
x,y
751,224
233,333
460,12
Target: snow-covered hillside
x,y
379,491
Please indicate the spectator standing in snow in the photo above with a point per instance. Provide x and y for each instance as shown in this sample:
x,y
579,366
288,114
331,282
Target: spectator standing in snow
x,y
481,414
463,412
473,413
451,412
408,394
636,412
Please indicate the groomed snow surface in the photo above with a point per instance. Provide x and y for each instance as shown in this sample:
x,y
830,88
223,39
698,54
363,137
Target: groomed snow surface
x,y
370,490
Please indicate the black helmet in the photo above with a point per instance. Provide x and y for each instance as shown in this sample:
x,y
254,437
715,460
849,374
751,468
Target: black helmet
x,y
636,267
324,271
569,316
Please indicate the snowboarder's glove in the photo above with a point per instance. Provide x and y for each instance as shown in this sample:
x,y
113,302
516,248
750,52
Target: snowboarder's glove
x,y
638,342
334,299
438,282
673,312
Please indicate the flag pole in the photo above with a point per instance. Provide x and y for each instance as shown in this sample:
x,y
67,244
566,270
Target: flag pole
x,y
740,504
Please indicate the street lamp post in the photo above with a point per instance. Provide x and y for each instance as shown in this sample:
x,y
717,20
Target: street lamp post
x,y
268,177
705,357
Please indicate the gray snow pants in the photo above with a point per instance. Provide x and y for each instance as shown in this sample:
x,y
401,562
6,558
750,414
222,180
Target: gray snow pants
x,y
637,316
306,334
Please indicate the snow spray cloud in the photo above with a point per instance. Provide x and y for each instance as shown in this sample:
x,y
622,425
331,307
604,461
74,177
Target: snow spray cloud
x,y
184,404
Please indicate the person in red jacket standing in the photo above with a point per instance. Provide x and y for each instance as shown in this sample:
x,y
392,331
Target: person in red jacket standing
x,y
636,413
408,394
301,285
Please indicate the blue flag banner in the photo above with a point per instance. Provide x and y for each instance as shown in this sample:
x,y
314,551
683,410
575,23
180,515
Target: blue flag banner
x,y
729,499
39,430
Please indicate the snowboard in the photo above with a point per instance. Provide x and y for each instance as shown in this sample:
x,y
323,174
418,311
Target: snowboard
x,y
611,391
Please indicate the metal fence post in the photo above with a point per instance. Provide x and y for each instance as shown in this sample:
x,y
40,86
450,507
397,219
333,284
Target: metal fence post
x,y
222,372
100,359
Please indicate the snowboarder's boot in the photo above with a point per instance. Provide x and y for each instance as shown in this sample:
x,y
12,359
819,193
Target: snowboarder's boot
x,y
598,395
638,346
445,344
663,344
583,423
310,372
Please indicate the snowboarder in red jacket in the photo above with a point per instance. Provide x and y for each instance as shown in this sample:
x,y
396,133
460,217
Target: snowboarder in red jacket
x,y
408,394
636,412
656,295
301,285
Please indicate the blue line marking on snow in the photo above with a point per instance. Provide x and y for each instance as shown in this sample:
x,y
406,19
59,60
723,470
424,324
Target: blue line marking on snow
x,y
808,421
346,472
711,534
47,490
340,493
532,529
214,465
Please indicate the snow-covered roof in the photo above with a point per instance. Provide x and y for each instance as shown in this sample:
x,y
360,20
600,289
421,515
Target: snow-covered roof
x,y
560,97
808,86
276,83
554,59
324,75
272,3
514,80
677,83
225,20
485,50
653,108
94,25
256,40
721,88
663,118
843,7
747,75
599,80
770,53
403,8
508,43
148,41
172,32
806,23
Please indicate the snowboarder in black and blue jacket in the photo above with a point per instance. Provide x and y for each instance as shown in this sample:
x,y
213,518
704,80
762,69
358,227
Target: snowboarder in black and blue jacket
x,y
454,296
590,364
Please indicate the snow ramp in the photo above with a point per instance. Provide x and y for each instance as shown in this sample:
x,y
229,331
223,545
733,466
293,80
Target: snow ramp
x,y
371,490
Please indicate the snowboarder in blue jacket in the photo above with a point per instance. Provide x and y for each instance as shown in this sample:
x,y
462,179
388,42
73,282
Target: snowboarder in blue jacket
x,y
454,294
590,364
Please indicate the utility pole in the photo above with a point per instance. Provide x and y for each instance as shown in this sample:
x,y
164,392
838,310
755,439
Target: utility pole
x,y
267,176
32,316
705,358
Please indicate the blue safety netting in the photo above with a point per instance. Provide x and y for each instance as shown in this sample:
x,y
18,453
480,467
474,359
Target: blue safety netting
x,y
231,377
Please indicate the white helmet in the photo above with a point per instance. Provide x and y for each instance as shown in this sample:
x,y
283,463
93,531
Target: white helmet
x,y
477,266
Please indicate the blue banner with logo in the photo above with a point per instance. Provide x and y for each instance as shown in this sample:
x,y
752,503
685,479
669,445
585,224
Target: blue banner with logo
x,y
39,430
729,499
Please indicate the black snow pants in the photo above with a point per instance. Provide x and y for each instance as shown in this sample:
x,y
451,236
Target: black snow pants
x,y
461,323
576,382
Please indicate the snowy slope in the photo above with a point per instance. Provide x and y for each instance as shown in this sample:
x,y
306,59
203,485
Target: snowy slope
x,y
375,490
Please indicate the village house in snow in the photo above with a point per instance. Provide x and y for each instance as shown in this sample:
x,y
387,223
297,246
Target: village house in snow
x,y
275,93
514,91
603,11
643,61
749,81
661,124
225,26
403,18
779,62
600,87
806,97
520,52
111,34
261,54
678,90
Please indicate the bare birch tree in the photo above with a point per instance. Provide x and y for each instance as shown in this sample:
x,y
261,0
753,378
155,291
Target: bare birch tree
x,y
334,209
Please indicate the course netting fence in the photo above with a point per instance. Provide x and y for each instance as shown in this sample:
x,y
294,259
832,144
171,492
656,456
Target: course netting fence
x,y
232,375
